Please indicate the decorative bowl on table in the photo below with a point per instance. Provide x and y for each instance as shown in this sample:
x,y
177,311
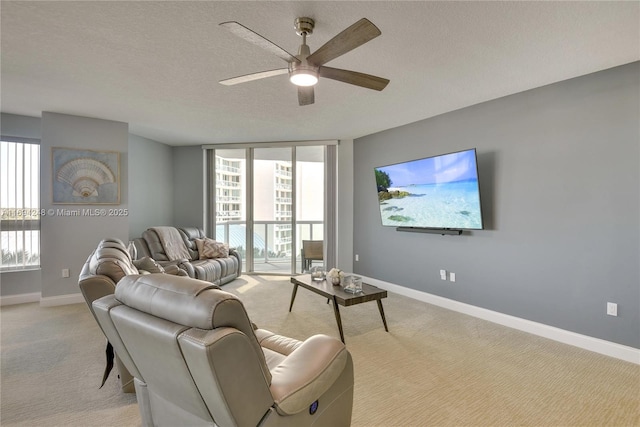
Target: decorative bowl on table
x,y
352,284
317,273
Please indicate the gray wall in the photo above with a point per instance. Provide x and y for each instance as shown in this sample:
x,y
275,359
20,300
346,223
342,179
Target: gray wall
x,y
344,249
150,184
66,241
147,171
22,126
559,170
188,179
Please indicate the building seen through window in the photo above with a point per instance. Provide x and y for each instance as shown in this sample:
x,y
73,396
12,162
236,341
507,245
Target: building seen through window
x,y
276,187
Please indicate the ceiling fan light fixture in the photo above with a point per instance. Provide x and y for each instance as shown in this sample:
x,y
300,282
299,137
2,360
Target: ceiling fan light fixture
x,y
303,77
305,68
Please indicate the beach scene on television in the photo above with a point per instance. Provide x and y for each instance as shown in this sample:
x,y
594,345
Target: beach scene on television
x,y
435,192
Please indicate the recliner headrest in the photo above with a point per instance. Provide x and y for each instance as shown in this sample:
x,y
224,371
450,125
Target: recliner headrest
x,y
189,235
110,259
183,300
192,232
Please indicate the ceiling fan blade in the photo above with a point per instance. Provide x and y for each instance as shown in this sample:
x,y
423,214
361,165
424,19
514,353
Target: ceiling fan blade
x,y
349,39
254,76
305,95
353,77
255,38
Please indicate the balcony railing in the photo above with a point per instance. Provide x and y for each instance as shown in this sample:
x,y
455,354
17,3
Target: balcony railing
x,y
234,199
266,257
231,169
227,214
283,172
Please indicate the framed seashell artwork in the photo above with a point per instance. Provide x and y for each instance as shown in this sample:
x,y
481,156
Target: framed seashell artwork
x,y
85,176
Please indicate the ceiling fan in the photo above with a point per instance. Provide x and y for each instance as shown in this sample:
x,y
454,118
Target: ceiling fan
x,y
305,67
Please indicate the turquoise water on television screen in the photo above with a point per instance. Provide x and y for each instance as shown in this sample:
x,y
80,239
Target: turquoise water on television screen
x,y
444,205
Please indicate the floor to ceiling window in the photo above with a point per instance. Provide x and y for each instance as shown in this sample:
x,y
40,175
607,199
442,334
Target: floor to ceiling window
x,y
273,191
265,200
228,203
310,200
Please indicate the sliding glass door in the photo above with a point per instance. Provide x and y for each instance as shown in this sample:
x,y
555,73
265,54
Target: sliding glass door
x,y
266,202
273,188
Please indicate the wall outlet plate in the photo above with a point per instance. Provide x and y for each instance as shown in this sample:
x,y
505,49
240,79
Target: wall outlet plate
x,y
612,309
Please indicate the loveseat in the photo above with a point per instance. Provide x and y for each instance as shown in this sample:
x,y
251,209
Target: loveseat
x,y
187,247
203,362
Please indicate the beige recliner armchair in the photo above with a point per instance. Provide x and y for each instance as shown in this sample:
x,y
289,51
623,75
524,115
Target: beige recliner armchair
x,y
198,360
105,266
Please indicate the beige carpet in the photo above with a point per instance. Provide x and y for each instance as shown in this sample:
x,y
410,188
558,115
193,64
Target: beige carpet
x,y
434,367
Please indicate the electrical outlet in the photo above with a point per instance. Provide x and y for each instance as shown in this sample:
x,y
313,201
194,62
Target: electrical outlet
x,y
65,272
357,257
452,277
443,274
612,309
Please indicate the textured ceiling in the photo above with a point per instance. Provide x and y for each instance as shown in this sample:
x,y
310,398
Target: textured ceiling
x,y
155,65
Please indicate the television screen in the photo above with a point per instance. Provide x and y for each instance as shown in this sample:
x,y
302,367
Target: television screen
x,y
435,192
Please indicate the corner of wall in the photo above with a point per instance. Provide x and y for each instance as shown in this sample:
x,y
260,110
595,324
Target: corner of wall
x,y
345,205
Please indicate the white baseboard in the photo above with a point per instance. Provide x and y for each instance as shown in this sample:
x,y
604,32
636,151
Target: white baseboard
x,y
20,299
608,348
61,300
586,342
44,302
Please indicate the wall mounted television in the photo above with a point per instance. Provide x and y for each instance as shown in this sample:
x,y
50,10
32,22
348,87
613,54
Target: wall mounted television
x,y
439,192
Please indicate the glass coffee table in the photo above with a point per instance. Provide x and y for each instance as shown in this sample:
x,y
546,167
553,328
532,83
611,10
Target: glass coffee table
x,y
339,296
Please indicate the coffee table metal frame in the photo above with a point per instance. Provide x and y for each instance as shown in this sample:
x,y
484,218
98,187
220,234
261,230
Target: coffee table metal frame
x,y
339,296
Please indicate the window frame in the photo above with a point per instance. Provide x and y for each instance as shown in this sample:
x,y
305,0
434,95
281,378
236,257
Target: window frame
x,y
24,218
330,195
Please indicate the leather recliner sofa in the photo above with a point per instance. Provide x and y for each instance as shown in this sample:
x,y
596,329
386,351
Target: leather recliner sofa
x,y
198,360
184,253
100,274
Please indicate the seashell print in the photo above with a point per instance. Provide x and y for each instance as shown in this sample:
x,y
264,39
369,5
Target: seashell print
x,y
85,175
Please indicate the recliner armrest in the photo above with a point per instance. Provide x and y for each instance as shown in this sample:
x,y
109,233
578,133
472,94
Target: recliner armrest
x,y
308,372
183,264
148,265
175,270
174,262
278,343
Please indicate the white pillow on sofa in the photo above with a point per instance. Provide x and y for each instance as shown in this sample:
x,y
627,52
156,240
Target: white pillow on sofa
x,y
209,248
